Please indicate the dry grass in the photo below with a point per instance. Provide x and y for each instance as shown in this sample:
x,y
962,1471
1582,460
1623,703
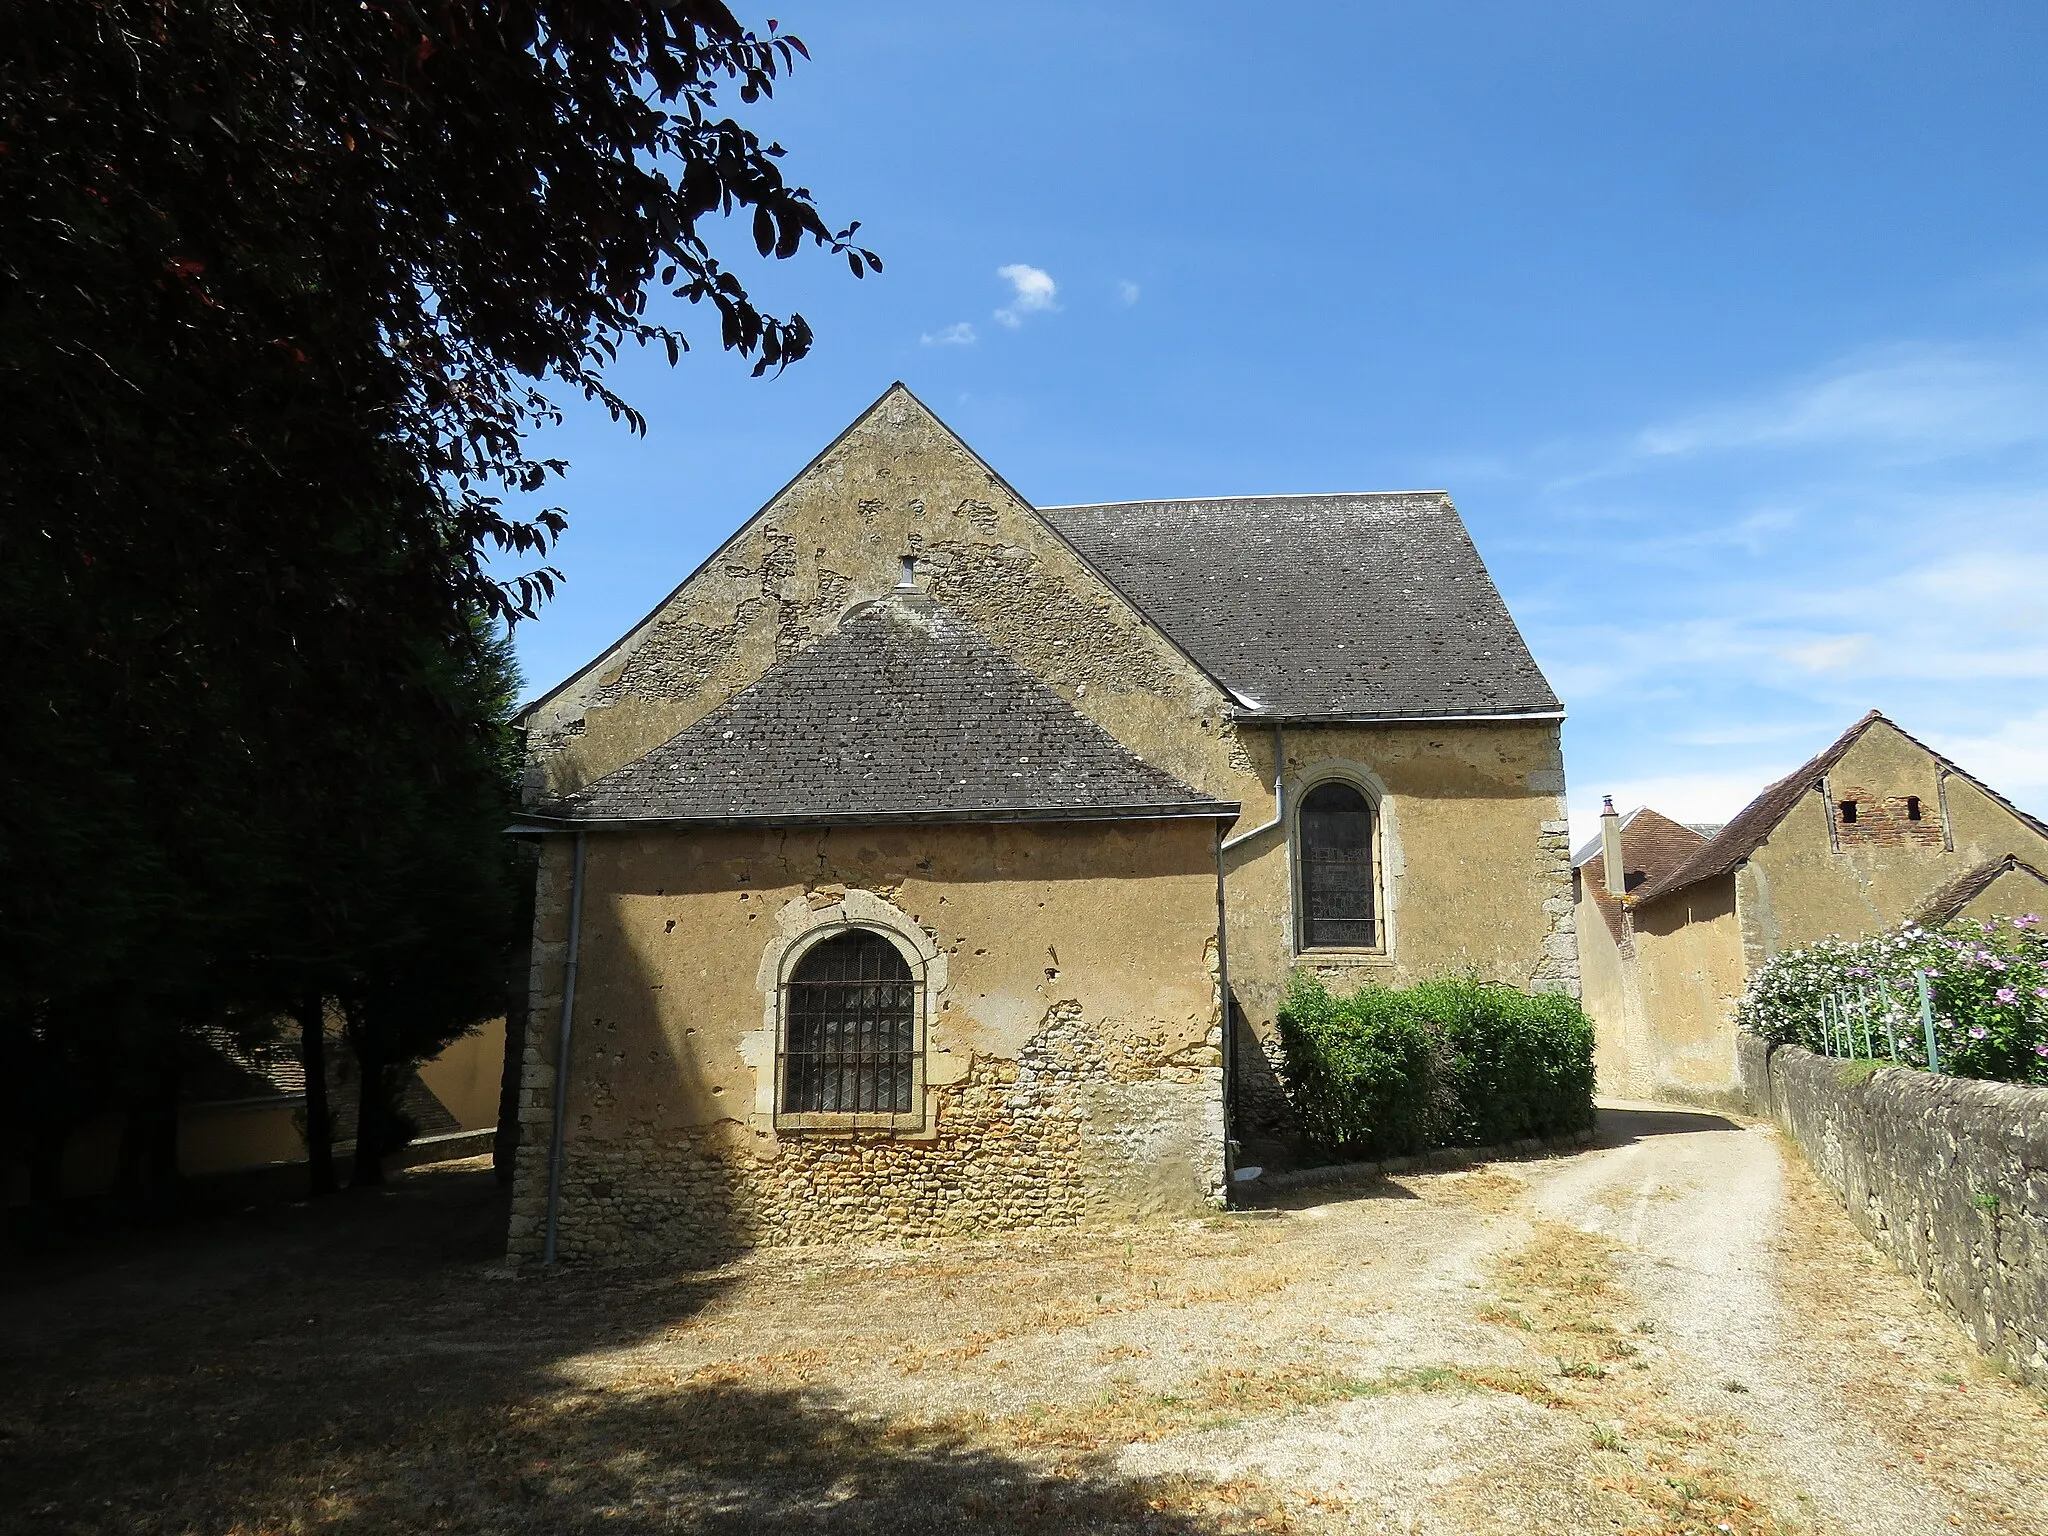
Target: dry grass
x,y
1563,1292
1127,1414
1484,1189
1680,1498
355,1370
1947,1414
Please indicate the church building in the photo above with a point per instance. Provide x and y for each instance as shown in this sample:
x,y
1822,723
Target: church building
x,y
933,862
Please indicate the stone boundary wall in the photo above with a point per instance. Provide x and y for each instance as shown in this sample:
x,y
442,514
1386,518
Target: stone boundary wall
x,y
1948,1176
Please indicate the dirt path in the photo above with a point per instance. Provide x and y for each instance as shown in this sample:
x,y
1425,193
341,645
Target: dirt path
x,y
1675,1331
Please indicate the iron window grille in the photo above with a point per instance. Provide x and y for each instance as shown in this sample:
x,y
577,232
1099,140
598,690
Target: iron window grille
x,y
1338,875
849,1033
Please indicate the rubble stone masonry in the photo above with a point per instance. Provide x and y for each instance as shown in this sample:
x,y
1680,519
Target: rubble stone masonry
x,y
1947,1176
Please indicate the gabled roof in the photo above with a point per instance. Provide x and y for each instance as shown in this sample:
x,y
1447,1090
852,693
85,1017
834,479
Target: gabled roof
x,y
1652,845
1372,606
1945,903
1756,821
897,389
906,712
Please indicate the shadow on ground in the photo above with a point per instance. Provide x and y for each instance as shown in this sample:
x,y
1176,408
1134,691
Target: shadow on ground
x,y
1251,1199
1619,1125
364,1365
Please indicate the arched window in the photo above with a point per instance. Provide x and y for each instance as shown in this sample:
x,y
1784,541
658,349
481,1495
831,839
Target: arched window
x,y
1336,896
850,1029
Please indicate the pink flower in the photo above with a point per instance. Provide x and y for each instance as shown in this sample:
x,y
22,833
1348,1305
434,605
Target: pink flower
x,y
2029,921
2041,1049
1978,1032
2041,992
2007,995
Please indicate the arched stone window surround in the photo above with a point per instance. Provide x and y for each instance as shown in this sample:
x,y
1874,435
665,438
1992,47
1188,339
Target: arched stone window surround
x,y
1386,853
799,926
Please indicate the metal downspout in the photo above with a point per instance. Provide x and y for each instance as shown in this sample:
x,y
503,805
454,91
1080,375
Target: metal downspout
x,y
1229,1033
1279,789
558,1143
1223,845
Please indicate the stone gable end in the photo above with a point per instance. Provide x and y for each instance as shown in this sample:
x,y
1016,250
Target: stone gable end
x,y
897,482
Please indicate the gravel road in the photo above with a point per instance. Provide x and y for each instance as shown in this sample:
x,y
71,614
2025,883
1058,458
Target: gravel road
x,y
1674,1332
1782,1377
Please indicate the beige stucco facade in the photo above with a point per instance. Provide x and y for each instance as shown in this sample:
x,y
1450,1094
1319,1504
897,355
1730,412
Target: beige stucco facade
x,y
2009,892
1068,1007
1663,996
1474,861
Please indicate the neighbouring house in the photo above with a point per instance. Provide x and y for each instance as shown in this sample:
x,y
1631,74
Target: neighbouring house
x,y
243,1111
895,866
1877,829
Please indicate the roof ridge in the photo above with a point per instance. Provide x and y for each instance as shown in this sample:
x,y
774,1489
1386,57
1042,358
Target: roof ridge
x,y
895,387
1368,605
1749,832
1743,833
1168,501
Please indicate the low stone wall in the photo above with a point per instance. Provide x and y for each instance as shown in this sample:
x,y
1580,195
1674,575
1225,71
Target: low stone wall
x,y
1946,1175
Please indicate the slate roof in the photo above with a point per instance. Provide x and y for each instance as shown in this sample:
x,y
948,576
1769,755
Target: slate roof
x,y
906,712
1756,821
1356,606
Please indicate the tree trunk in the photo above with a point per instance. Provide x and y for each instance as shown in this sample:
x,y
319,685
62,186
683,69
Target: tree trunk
x,y
312,1017
373,1113
518,1006
161,1124
505,1144
48,1135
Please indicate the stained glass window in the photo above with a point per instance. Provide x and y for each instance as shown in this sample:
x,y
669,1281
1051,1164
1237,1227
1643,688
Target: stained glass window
x,y
1336,869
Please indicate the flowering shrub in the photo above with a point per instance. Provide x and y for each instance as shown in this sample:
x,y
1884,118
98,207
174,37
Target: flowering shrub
x,y
1988,982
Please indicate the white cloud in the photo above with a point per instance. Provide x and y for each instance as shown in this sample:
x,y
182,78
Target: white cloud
x,y
1905,404
1032,291
1830,653
1704,797
1727,589
959,335
1126,292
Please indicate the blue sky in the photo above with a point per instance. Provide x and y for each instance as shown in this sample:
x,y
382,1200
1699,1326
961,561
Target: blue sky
x,y
1727,328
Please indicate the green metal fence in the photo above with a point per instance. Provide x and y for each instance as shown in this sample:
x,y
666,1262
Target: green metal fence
x,y
1878,1021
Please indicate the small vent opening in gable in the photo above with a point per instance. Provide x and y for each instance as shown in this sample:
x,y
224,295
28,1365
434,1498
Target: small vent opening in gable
x,y
1848,808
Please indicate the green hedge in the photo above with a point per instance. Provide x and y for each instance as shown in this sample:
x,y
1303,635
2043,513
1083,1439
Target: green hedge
x,y
1449,1063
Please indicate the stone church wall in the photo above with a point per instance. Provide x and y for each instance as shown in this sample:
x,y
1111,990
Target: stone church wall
x,y
1073,1070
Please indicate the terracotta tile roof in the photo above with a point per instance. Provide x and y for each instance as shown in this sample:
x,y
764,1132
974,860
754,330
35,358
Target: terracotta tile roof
x,y
905,712
1945,903
1652,845
1757,820
1373,604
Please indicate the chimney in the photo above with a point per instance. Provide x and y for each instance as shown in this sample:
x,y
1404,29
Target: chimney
x,y
1610,848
